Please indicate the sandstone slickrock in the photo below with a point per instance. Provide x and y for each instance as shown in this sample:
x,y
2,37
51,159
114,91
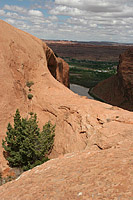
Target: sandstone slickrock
x,y
118,89
88,175
81,124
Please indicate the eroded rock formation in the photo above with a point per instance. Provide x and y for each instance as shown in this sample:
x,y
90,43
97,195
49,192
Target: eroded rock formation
x,y
118,89
57,66
81,124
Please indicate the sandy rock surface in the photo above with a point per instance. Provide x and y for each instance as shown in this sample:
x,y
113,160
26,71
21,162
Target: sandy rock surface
x,y
88,175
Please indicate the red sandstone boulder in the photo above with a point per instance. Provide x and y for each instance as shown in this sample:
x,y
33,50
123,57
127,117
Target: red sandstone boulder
x,y
118,90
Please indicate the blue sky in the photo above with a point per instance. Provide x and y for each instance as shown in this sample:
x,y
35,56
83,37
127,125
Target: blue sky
x,y
81,20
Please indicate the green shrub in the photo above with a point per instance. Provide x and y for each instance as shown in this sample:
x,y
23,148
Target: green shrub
x,y
25,145
30,96
31,113
29,83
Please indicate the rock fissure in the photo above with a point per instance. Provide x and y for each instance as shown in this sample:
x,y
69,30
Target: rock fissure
x,y
69,124
52,113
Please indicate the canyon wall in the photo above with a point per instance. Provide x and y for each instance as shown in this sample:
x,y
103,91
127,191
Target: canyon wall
x,y
118,89
57,67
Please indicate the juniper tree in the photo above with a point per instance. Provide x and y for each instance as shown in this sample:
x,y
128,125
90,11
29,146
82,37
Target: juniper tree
x,y
25,145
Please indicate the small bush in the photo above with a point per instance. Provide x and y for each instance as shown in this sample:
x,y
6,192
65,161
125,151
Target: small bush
x,y
29,83
30,96
29,89
31,113
25,145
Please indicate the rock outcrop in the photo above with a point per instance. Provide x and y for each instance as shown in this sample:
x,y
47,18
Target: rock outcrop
x,y
81,124
118,89
57,67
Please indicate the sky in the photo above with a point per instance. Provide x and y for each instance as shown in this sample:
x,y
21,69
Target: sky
x,y
76,20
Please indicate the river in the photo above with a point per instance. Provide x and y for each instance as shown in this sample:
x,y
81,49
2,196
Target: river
x,y
82,91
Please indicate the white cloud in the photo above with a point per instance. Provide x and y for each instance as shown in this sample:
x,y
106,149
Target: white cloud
x,y
74,19
2,12
53,18
64,10
10,14
97,17
35,13
15,8
92,5
10,21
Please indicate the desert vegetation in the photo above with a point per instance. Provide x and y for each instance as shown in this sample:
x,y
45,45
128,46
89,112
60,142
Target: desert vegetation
x,y
30,96
29,84
89,73
25,145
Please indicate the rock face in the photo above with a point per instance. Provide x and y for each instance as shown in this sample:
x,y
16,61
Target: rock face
x,y
118,90
81,124
125,73
57,67
22,60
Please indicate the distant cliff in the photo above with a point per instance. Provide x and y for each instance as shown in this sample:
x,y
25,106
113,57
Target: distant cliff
x,y
118,89
88,50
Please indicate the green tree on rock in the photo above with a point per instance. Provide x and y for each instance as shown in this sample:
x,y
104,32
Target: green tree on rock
x,y
25,145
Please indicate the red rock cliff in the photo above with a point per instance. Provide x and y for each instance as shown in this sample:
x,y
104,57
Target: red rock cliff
x,y
58,67
118,89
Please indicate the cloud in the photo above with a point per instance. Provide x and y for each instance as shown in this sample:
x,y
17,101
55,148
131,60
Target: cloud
x,y
91,5
10,21
2,12
15,8
64,10
74,19
53,18
97,18
35,13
